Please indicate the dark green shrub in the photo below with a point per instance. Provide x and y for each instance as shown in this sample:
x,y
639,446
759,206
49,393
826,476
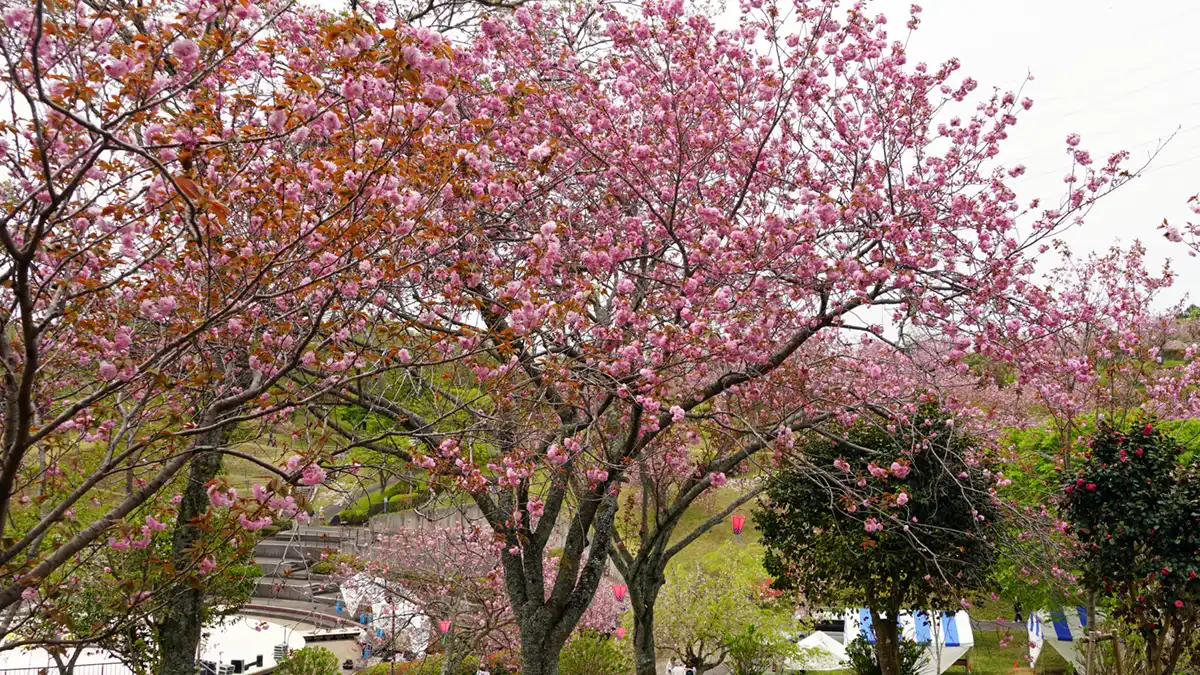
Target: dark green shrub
x,y
863,660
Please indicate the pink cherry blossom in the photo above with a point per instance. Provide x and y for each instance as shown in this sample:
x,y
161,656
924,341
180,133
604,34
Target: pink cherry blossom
x,y
18,17
556,454
539,152
219,498
254,524
313,475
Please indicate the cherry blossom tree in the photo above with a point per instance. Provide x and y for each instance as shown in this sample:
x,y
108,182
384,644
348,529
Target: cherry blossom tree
x,y
196,199
453,574
1091,352
1093,348
669,225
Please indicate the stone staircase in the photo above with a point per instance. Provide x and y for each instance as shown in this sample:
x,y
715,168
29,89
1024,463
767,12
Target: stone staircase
x,y
286,556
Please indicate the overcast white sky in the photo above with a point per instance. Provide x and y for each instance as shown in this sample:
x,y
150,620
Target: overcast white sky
x,y
1122,74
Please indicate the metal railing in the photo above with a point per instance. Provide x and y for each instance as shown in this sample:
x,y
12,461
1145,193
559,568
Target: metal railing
x,y
111,668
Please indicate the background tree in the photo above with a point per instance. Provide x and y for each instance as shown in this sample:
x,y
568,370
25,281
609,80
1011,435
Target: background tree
x,y
1097,351
452,573
907,518
1135,508
754,651
116,597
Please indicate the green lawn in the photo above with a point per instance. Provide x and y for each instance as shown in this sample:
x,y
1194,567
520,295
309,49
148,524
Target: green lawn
x,y
719,535
989,657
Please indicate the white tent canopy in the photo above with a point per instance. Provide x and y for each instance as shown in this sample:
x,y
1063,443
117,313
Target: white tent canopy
x,y
1062,628
1036,639
819,651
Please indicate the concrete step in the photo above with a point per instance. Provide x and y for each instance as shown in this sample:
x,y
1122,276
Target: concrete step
x,y
318,591
290,550
282,567
316,533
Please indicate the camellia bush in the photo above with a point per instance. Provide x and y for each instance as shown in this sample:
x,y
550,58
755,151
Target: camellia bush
x,y
1135,508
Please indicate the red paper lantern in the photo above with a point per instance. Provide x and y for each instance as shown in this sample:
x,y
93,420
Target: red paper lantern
x,y
444,625
738,523
619,591
620,632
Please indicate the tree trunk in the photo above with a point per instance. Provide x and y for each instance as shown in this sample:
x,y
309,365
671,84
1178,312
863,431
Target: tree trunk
x,y
546,620
539,651
1152,653
179,627
642,597
887,645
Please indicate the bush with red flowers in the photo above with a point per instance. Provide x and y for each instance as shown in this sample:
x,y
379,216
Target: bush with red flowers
x,y
1135,508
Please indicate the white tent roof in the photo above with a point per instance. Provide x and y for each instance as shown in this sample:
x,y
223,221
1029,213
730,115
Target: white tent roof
x,y
819,652
1062,629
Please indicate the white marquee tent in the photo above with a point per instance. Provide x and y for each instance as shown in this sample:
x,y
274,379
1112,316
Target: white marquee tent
x,y
1062,628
